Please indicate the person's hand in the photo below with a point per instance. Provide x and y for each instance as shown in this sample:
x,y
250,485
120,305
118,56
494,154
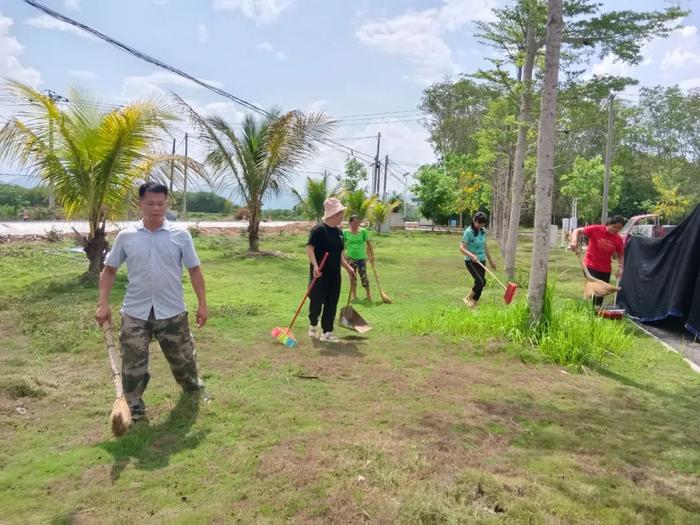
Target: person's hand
x,y
103,314
573,247
473,257
351,273
202,315
317,271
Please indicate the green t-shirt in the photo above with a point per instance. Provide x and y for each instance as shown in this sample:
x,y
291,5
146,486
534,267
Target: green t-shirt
x,y
476,243
356,243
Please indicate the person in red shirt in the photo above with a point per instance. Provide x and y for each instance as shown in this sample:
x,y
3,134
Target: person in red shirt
x,y
604,243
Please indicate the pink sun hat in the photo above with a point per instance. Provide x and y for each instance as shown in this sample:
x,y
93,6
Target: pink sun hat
x,y
332,206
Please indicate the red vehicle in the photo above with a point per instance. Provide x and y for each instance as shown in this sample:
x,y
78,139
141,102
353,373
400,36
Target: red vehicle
x,y
644,226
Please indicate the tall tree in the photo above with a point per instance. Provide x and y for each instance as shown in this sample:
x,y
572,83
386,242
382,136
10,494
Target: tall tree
x,y
261,159
435,190
355,176
545,161
92,158
358,203
519,31
585,182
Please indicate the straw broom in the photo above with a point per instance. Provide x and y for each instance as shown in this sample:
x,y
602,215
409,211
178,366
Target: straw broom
x,y
382,294
121,415
593,286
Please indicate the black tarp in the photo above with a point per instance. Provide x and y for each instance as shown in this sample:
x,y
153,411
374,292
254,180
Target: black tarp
x,y
662,276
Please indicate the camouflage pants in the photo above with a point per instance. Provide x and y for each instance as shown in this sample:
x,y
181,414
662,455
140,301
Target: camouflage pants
x,y
175,339
360,267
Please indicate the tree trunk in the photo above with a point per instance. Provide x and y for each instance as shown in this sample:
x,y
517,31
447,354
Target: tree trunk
x,y
254,227
520,150
545,162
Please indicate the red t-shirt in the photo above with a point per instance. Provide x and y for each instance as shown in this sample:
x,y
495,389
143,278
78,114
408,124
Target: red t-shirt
x,y
602,245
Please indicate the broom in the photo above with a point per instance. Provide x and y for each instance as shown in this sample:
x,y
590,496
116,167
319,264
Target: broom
x,y
510,289
285,335
121,415
595,286
384,296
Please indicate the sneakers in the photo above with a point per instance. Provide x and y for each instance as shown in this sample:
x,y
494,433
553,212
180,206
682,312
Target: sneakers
x,y
328,337
313,331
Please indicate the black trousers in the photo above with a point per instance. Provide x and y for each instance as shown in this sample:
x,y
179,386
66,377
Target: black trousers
x,y
603,276
479,274
324,297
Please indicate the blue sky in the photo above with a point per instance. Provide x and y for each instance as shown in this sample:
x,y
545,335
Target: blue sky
x,y
343,57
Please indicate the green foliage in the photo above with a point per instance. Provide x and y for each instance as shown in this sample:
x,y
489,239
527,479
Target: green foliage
x,y
436,191
671,204
358,203
355,176
311,203
585,182
203,202
380,212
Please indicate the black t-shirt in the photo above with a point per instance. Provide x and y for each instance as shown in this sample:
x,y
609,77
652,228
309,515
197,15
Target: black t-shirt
x,y
329,239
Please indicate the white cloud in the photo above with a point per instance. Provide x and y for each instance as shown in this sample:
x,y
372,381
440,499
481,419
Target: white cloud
x,y
269,48
262,11
609,66
73,5
202,34
82,73
47,22
152,85
10,50
419,35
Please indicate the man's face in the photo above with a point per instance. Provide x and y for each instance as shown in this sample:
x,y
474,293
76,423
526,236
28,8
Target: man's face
x,y
335,220
153,205
615,228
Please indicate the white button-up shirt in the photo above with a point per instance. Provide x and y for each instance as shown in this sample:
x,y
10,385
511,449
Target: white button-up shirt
x,y
154,261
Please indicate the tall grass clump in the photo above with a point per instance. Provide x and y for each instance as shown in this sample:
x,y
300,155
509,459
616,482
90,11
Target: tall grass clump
x,y
568,333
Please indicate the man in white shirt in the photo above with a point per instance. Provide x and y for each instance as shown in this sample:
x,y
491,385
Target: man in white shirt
x,y
154,306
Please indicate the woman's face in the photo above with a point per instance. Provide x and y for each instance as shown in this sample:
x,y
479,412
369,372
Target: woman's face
x,y
354,224
481,225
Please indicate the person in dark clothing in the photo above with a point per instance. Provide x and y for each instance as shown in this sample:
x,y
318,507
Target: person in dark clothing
x,y
475,251
326,237
604,243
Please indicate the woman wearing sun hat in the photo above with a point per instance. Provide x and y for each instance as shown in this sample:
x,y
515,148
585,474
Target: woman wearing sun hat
x,y
326,237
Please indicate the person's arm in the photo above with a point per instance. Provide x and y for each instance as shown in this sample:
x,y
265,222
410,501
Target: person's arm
x,y
197,278
370,252
104,312
573,241
467,253
312,259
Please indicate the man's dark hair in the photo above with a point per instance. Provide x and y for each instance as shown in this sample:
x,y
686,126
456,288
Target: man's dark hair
x,y
615,219
353,217
153,187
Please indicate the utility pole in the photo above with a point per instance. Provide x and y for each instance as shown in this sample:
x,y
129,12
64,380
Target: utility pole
x,y
386,167
53,97
184,193
405,194
375,180
608,157
172,169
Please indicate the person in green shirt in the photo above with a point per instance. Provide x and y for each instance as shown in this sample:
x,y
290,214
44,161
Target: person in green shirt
x,y
358,249
475,252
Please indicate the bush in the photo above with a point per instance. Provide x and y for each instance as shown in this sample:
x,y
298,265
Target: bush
x,y
195,230
54,235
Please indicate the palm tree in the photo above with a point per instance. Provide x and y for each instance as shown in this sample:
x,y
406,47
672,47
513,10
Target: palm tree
x,y
357,203
260,160
317,191
380,211
92,158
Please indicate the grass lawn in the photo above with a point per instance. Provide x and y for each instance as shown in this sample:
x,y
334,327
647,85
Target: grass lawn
x,y
397,426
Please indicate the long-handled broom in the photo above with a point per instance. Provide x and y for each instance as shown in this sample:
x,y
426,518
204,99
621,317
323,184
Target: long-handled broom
x,y
384,296
285,335
510,288
595,286
121,415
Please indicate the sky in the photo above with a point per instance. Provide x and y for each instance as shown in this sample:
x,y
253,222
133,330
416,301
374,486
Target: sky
x,y
349,58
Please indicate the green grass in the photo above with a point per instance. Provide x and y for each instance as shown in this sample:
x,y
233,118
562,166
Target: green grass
x,y
438,415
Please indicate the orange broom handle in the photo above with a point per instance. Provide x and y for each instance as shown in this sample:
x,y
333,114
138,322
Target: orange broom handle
x,y
491,274
308,290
